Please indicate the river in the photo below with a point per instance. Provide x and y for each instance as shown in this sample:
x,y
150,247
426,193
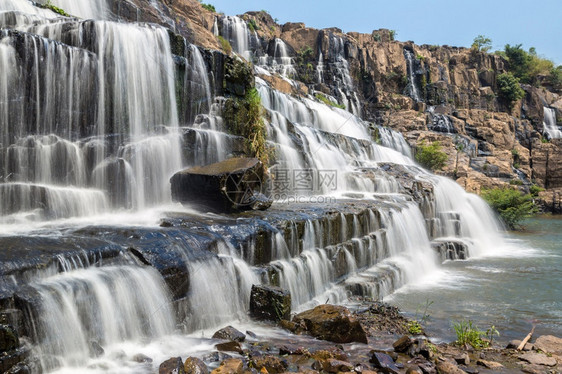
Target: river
x,y
511,289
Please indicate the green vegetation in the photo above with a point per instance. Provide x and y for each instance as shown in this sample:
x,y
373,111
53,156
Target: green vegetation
x,y
54,8
512,205
534,190
327,101
490,334
509,89
414,327
481,44
431,156
305,69
392,35
252,25
225,45
244,117
468,334
529,68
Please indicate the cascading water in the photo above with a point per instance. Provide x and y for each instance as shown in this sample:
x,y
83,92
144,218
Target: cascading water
x,y
235,30
90,118
85,130
412,87
550,128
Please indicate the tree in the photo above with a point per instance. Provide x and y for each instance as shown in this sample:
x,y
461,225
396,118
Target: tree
x,y
509,89
431,156
512,205
482,43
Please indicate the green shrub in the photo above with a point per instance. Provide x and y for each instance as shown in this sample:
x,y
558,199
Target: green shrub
x,y
431,156
225,45
509,89
468,334
482,44
209,7
252,25
244,117
534,190
392,35
512,205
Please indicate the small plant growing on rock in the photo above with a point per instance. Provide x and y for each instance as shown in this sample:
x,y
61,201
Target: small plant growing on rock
x,y
327,101
414,327
225,45
56,9
252,25
469,335
490,334
431,156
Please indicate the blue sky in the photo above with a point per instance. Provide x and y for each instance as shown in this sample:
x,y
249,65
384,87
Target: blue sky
x,y
453,22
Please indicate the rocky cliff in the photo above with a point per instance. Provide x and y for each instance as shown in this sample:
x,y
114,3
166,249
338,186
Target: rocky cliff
x,y
429,93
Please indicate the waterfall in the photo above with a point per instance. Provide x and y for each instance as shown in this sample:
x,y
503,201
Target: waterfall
x,y
235,30
108,306
550,128
412,88
98,120
89,125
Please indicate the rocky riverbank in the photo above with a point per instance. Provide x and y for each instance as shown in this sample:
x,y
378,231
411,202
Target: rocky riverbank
x,y
388,348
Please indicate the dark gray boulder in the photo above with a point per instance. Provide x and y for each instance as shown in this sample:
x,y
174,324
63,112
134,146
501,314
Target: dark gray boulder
x,y
270,303
228,186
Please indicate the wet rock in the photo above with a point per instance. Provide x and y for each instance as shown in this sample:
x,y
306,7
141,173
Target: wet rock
x,y
96,349
414,370
448,367
462,359
270,303
227,186
173,365
272,364
13,358
332,365
492,365
402,344
330,322
549,344
141,358
8,338
229,366
427,367
251,334
216,357
193,365
535,358
515,343
231,346
229,333
384,362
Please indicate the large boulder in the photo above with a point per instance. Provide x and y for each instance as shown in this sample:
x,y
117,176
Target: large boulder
x,y
549,344
270,303
232,185
173,365
329,322
229,333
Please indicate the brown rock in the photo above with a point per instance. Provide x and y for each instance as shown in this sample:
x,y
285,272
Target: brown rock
x,y
173,365
231,346
402,344
549,344
332,365
490,364
535,358
515,343
447,367
193,365
230,366
330,322
271,364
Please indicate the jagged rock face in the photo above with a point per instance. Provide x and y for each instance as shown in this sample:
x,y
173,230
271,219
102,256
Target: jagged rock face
x,y
547,163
